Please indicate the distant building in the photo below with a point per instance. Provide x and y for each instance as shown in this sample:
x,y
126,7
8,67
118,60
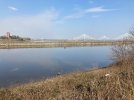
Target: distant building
x,y
8,35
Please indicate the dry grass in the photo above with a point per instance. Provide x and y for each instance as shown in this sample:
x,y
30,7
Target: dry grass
x,y
112,83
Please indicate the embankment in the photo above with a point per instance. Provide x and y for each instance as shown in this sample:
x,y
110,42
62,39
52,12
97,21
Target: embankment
x,y
5,44
115,82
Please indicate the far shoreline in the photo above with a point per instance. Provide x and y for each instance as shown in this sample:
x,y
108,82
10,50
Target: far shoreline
x,y
11,44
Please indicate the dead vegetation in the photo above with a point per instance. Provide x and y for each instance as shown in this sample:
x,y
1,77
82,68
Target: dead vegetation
x,y
112,83
124,53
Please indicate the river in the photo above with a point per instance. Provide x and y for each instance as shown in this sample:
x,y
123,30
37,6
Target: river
x,y
24,65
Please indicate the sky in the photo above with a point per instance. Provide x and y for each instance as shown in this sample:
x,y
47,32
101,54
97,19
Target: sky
x,y
65,19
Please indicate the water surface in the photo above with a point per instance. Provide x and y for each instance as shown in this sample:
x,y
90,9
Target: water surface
x,y
24,65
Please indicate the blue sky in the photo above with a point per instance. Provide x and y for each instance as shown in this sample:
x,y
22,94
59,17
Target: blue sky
x,y
66,18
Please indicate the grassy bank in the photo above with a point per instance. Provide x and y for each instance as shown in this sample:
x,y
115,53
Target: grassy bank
x,y
112,83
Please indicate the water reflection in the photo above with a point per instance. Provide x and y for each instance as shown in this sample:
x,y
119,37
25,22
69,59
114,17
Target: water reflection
x,y
22,65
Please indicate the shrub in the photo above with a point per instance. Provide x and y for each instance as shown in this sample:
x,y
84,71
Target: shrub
x,y
124,53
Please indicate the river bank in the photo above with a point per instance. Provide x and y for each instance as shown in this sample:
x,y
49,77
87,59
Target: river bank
x,y
114,82
7,44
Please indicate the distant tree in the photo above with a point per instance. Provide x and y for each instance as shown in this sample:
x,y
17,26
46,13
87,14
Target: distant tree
x,y
15,37
3,37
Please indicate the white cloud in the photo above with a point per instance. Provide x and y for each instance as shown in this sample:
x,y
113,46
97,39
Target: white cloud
x,y
29,25
12,8
83,12
75,15
98,9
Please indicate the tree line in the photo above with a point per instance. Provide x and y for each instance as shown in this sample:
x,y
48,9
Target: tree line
x,y
15,38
